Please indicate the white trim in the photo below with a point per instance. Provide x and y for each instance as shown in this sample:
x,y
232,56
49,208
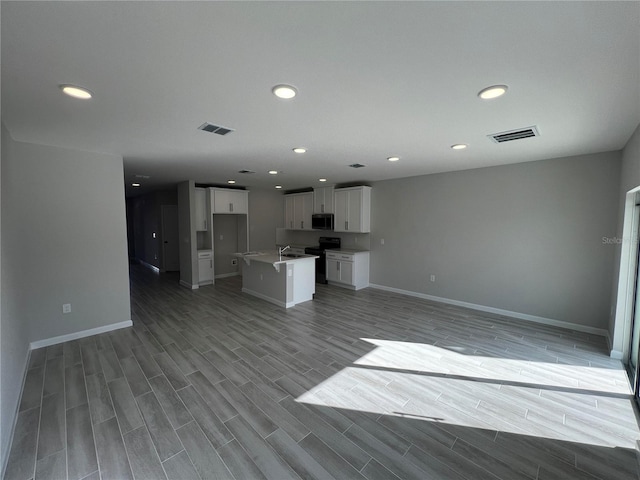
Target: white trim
x,y
521,316
81,334
195,286
5,454
225,275
627,276
616,354
268,299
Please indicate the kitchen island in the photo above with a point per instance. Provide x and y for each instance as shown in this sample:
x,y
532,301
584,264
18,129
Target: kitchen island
x,y
283,280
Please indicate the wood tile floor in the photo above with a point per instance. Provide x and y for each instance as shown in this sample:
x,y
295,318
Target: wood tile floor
x,y
354,385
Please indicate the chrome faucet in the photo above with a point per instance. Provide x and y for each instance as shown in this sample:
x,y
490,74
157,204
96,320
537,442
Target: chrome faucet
x,y
282,249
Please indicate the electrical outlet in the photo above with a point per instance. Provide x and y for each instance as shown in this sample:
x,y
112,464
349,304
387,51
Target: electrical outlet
x,y
432,278
66,308
234,261
382,241
221,237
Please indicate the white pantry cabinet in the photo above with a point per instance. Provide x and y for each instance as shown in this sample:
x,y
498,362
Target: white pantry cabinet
x,y
201,209
348,269
225,200
352,209
323,200
298,208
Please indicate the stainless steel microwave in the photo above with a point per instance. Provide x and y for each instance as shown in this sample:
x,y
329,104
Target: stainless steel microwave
x,y
322,221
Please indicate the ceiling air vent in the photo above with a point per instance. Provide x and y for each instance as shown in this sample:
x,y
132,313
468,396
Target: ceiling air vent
x,y
511,135
211,128
244,170
357,165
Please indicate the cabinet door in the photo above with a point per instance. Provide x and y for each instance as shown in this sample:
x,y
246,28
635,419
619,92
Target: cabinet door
x,y
230,201
221,201
302,206
333,270
341,206
346,272
354,211
239,202
205,269
201,209
323,200
288,212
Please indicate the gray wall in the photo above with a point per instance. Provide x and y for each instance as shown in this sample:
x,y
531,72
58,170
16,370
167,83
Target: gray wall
x,y
525,238
14,337
223,250
266,209
63,241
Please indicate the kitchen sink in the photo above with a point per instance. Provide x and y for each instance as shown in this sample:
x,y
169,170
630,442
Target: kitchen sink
x,y
292,255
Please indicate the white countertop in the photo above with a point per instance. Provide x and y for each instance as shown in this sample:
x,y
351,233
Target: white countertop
x,y
271,257
345,250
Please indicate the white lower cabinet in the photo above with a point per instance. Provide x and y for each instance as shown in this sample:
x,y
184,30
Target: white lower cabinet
x,y
205,267
348,269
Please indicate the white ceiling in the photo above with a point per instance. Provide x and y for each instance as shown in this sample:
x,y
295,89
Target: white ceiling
x,y
375,79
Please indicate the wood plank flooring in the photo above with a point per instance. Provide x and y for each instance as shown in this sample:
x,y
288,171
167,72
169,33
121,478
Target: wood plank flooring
x,y
370,385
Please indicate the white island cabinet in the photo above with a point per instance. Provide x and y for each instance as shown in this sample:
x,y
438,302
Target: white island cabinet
x,y
281,280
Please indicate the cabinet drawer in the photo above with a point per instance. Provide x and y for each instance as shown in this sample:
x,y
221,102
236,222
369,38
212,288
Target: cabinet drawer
x,y
340,256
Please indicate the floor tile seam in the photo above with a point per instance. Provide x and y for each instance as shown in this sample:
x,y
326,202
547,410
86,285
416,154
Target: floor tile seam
x,y
339,454
452,466
93,430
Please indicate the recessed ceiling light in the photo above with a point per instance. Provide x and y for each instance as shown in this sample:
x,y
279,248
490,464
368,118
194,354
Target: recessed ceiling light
x,y
76,92
494,91
459,146
135,184
300,150
231,182
393,159
284,91
322,179
273,172
278,187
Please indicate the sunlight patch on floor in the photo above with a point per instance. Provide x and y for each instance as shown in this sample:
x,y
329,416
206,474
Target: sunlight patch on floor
x,y
429,383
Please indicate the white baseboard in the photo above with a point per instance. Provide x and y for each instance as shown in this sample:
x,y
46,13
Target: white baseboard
x,y
225,275
521,316
7,451
268,299
195,286
74,336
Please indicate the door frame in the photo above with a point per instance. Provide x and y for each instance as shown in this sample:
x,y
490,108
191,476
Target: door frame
x,y
627,277
163,227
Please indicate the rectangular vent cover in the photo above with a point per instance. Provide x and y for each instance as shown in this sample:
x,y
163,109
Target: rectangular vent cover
x,y
244,170
210,127
511,135
357,165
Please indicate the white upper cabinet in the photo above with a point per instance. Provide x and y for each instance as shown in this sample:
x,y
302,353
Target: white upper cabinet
x,y
298,208
353,209
323,200
201,209
225,200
